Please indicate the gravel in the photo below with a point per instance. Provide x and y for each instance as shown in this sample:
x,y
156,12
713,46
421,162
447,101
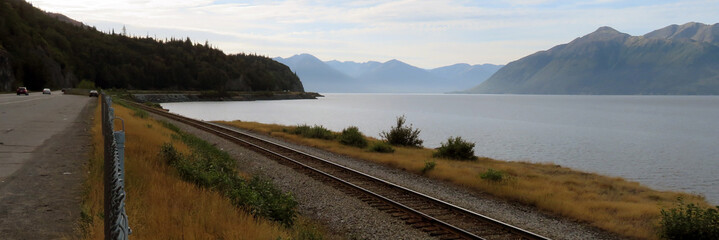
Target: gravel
x,y
355,219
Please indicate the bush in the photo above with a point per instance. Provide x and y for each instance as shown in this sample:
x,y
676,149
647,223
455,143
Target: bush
x,y
456,148
492,175
315,131
689,221
140,113
381,147
401,135
85,84
428,165
213,169
353,137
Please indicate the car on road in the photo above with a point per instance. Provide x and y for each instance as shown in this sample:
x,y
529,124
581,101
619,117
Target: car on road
x,y
46,91
22,90
93,93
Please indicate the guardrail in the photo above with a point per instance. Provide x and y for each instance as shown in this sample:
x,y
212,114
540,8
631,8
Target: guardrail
x,y
116,223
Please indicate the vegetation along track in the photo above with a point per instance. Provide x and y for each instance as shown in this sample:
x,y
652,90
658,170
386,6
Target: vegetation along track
x,y
436,217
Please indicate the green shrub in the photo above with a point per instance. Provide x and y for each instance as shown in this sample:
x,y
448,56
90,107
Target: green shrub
x,y
428,165
401,135
353,137
85,84
456,148
152,104
211,168
381,147
689,221
315,131
170,126
140,113
492,175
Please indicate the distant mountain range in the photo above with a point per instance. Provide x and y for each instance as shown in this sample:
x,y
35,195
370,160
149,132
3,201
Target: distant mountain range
x,y
678,59
391,76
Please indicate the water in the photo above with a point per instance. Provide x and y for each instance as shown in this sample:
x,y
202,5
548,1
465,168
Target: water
x,y
665,142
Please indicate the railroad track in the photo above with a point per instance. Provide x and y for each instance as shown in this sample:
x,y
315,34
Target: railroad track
x,y
433,216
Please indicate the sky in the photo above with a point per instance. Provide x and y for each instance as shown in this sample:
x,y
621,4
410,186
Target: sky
x,y
423,33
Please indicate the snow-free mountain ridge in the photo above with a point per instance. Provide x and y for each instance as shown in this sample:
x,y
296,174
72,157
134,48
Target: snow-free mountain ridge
x,y
678,59
393,76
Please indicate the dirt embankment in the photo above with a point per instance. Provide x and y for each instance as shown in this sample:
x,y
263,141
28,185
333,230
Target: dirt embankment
x,y
197,97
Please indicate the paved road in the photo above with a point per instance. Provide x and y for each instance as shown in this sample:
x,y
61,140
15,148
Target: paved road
x,y
28,121
44,142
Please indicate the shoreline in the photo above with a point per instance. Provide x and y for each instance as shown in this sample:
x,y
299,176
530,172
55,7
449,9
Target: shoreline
x,y
563,192
193,96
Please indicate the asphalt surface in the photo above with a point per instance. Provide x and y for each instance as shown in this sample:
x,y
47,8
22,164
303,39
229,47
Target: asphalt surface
x,y
44,142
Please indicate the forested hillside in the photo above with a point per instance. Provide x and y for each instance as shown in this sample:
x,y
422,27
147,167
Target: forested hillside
x,y
38,50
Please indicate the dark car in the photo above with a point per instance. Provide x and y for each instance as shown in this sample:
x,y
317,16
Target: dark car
x,y
22,90
93,93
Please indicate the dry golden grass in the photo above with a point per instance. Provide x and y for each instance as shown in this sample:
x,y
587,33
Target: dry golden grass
x,y
613,204
159,204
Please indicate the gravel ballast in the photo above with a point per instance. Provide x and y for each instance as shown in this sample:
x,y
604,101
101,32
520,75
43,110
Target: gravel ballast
x,y
355,219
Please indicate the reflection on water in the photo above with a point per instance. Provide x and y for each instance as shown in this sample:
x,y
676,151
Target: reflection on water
x,y
666,142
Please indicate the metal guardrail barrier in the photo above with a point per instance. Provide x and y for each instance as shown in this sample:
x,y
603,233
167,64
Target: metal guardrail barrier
x,y
116,223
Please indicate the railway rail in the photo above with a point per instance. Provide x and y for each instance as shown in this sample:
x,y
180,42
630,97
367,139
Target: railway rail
x,y
433,216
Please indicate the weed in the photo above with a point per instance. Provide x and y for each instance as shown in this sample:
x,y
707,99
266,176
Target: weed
x,y
689,221
353,137
316,131
170,126
140,113
428,165
381,147
152,104
211,168
492,175
456,148
402,135
305,230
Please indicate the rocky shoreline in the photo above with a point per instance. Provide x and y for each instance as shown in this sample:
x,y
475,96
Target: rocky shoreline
x,y
199,97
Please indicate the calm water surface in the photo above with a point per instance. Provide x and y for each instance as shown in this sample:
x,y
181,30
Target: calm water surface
x,y
665,142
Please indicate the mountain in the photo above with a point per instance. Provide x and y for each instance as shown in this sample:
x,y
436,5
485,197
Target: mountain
x,y
464,75
690,31
353,69
392,76
397,76
672,60
317,76
39,50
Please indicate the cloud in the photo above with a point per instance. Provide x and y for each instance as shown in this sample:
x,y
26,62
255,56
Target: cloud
x,y
427,33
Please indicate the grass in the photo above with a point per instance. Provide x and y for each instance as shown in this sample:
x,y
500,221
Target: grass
x,y
492,175
381,147
211,168
315,131
610,203
160,205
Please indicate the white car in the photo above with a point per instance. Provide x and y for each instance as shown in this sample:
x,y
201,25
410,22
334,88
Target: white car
x,y
46,91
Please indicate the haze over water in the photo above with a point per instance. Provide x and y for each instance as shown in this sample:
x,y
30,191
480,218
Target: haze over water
x,y
665,142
